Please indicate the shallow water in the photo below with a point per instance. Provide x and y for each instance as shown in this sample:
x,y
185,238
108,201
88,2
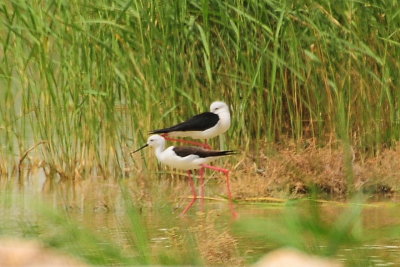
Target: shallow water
x,y
382,252
99,207
378,219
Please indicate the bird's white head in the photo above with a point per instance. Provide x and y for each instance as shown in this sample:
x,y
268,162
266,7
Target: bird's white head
x,y
222,110
156,141
219,107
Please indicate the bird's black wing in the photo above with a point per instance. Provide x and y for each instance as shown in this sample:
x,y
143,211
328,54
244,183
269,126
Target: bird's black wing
x,y
199,122
183,151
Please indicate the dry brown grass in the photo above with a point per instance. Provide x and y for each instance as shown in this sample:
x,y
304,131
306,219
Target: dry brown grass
x,y
216,246
380,174
291,172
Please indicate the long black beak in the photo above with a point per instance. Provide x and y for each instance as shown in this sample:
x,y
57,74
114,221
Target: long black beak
x,y
140,148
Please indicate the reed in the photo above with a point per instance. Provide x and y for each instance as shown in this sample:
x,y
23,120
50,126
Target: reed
x,y
92,78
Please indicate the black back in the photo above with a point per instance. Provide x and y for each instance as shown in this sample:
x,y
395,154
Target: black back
x,y
199,122
184,151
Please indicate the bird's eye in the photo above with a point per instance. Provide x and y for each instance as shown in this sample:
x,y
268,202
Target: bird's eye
x,y
151,140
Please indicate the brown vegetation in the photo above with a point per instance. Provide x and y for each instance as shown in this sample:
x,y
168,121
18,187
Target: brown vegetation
x,y
278,171
291,172
217,246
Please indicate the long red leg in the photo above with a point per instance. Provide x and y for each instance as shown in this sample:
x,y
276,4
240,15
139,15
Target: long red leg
x,y
203,145
228,186
201,174
193,191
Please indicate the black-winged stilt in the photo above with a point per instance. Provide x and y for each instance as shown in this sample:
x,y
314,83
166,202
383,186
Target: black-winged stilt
x,y
189,158
202,126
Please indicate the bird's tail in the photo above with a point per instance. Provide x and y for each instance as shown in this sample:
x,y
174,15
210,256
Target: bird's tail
x,y
160,131
224,153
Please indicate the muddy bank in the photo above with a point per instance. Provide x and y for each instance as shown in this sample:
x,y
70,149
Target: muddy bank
x,y
280,171
292,172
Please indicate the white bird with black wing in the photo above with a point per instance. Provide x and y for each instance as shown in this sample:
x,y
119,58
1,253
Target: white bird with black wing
x,y
188,158
202,126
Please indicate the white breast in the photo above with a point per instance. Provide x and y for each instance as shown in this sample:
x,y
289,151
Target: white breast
x,y
190,162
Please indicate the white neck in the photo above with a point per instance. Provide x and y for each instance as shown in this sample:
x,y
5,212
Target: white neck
x,y
158,150
225,119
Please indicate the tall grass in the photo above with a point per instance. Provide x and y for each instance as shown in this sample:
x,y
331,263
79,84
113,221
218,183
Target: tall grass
x,y
92,78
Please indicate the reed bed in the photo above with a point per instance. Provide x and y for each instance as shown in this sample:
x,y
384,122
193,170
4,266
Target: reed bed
x,y
92,78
